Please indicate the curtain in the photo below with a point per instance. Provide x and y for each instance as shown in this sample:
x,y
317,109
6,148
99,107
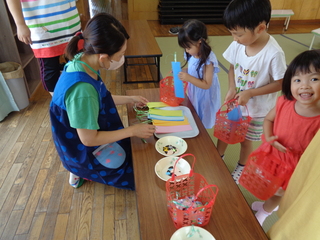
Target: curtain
x,y
7,103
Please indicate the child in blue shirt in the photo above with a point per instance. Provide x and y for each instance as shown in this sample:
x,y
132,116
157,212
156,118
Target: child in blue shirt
x,y
201,75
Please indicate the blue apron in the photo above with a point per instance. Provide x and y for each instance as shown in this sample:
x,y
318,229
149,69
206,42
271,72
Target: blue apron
x,y
76,157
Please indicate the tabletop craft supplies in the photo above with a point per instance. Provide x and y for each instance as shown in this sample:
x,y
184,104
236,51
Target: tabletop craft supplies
x,y
171,146
172,89
190,198
169,121
166,121
192,232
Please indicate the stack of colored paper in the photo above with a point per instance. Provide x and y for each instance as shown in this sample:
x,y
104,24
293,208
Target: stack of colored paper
x,y
167,121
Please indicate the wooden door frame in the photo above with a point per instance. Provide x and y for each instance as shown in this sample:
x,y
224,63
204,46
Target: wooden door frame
x,y
84,12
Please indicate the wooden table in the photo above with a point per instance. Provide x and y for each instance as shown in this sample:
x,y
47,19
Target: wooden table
x,y
231,219
141,44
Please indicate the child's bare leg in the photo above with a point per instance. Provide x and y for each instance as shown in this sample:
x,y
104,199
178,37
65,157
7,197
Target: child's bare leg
x,y
265,209
271,203
246,149
221,147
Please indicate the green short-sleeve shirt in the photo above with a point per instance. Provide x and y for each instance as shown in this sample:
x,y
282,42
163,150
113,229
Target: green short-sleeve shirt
x,y
82,101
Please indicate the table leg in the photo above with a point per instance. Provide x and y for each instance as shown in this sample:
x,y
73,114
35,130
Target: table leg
x,y
158,65
312,42
287,22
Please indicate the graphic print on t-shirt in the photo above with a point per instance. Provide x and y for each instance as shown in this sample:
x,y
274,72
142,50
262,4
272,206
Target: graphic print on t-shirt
x,y
246,78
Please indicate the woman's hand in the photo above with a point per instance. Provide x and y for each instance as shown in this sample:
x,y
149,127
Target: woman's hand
x,y
143,130
139,101
273,142
24,34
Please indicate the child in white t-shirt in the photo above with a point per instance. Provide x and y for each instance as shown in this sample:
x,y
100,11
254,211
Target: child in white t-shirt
x,y
257,67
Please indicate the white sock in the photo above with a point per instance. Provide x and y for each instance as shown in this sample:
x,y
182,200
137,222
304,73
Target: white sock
x,y
237,172
261,214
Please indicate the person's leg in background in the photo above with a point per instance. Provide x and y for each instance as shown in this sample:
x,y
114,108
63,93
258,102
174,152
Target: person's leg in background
x,y
221,147
254,133
246,149
50,72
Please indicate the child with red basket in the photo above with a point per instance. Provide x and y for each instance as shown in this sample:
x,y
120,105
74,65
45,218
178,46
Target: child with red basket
x,y
293,122
257,66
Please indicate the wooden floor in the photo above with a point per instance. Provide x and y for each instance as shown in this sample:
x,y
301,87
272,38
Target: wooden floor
x,y
36,201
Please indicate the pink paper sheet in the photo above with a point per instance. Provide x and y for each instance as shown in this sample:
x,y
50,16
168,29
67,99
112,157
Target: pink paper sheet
x,y
170,129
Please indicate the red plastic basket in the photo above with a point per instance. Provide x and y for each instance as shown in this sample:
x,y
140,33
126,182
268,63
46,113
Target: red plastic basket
x,y
167,94
193,184
230,131
264,174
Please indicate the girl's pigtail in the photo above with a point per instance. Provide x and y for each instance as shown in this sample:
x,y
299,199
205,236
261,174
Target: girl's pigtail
x,y
74,46
205,50
188,56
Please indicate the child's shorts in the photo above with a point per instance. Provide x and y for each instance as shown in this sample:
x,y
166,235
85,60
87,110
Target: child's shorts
x,y
255,129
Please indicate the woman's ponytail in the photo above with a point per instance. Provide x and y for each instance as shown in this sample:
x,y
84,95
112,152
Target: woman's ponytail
x,y
74,46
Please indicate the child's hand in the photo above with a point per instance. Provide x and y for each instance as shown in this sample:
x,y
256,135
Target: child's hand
x,y
276,144
143,130
183,76
24,34
230,95
139,101
243,97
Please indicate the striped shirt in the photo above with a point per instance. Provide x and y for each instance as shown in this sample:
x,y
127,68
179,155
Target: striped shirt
x,y
52,24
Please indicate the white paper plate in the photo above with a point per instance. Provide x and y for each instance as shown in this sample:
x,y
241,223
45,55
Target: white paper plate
x,y
186,134
171,146
198,233
164,167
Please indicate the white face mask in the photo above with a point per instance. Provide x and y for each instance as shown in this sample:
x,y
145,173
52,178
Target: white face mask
x,y
115,65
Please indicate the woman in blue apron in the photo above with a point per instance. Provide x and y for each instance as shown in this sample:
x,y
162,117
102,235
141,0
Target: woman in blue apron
x,y
87,130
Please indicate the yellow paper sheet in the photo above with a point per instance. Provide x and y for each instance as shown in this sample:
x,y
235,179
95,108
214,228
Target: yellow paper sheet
x,y
170,123
156,104
171,113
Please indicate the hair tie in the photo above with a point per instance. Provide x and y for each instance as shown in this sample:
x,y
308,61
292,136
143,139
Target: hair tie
x,y
81,41
79,34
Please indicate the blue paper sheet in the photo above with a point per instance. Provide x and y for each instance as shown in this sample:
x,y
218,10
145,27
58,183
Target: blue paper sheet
x,y
178,84
165,118
235,114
